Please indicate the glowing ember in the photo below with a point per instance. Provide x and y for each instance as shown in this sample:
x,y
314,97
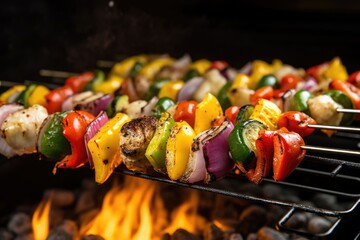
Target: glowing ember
x,y
136,211
40,220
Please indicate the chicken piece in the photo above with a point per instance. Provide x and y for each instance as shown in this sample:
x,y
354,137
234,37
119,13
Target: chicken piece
x,y
21,128
323,110
135,137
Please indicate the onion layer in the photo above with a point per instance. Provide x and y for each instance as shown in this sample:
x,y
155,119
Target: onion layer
x,y
91,130
209,157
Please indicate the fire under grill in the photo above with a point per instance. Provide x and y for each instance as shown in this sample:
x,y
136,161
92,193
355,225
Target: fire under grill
x,y
331,167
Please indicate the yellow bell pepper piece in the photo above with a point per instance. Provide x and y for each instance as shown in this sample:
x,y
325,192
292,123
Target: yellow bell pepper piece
x,y
122,68
178,149
207,111
260,68
150,69
171,89
112,84
239,93
267,112
5,95
201,65
104,147
336,71
38,96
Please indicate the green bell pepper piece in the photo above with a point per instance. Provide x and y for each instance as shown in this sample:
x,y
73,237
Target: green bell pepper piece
x,y
299,101
162,105
156,150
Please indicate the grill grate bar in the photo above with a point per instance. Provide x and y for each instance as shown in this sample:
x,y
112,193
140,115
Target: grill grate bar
x,y
262,200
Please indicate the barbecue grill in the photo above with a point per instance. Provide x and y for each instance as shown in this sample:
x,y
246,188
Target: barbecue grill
x,y
300,34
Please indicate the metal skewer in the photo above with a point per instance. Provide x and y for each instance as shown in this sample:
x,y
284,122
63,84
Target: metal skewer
x,y
331,150
345,110
56,74
337,128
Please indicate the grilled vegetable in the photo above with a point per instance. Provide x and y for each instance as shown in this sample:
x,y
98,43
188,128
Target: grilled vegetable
x,y
78,82
299,102
206,113
244,113
242,139
135,138
209,159
104,147
11,94
178,149
287,153
56,97
161,106
185,111
74,129
266,112
171,89
51,142
268,80
156,150
296,122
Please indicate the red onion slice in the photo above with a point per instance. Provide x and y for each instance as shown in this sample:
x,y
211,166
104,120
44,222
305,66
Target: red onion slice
x,y
95,104
6,110
71,102
188,90
216,152
196,168
209,157
91,130
309,83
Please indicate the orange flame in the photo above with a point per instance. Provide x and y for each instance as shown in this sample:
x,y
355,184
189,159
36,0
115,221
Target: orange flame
x,y
136,211
40,220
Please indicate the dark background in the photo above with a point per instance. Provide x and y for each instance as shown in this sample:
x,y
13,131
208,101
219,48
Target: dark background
x,y
72,35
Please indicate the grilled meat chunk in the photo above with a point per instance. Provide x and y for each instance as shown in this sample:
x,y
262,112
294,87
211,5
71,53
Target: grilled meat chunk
x,y
135,137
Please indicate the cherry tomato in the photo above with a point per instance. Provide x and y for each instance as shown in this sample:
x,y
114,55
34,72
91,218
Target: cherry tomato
x,y
231,113
78,83
289,81
266,92
219,65
185,111
297,122
56,97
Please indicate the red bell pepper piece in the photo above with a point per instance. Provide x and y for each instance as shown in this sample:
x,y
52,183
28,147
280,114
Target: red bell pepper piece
x,y
354,78
78,83
74,129
287,153
56,97
297,122
265,153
